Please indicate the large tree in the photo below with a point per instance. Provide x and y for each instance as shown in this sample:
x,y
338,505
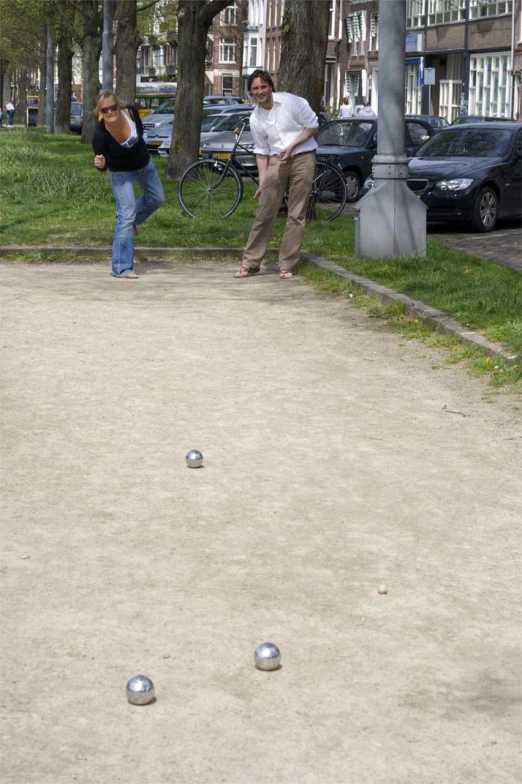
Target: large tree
x,y
91,50
194,20
127,41
304,42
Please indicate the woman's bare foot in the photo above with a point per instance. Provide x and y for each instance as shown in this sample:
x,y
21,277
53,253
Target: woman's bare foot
x,y
132,276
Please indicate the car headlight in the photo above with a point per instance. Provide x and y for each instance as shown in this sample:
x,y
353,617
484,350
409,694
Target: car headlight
x,y
459,184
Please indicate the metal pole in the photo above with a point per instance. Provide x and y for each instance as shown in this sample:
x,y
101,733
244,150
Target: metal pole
x,y
391,221
107,45
49,80
464,96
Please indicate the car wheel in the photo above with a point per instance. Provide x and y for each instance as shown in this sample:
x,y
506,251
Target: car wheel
x,y
485,211
353,186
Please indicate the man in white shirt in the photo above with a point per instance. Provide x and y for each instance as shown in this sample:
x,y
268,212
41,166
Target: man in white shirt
x,y
283,127
10,108
345,109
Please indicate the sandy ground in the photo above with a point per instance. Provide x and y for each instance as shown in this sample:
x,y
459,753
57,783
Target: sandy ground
x,y
336,459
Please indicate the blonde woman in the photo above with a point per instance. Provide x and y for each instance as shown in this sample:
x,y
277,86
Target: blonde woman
x,y
119,147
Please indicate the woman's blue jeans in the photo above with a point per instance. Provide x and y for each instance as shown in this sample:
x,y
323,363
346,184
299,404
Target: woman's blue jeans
x,y
131,212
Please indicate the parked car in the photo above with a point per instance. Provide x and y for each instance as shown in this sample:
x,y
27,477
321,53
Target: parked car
x,y
216,100
165,113
76,120
352,144
474,118
434,120
470,173
219,147
158,139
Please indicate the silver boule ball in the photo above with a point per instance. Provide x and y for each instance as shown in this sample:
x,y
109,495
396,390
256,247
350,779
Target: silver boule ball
x,y
140,690
267,656
383,589
194,458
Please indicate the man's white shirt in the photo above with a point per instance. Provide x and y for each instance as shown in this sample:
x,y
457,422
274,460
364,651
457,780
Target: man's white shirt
x,y
274,129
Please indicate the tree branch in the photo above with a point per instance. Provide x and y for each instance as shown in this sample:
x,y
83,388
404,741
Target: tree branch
x,y
211,9
144,8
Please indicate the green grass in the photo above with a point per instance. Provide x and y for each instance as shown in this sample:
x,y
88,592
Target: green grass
x,y
51,194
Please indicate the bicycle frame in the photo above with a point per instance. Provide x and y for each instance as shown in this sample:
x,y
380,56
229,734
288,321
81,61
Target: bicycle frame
x,y
231,164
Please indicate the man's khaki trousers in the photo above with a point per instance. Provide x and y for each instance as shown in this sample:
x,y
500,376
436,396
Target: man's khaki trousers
x,y
296,175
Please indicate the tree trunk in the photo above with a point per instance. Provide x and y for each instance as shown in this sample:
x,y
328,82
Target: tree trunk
x,y
49,79
194,19
107,46
43,80
127,42
63,102
304,42
91,50
21,106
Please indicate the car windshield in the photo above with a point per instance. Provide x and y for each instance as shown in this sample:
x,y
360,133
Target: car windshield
x,y
466,143
76,109
231,122
210,121
345,134
167,107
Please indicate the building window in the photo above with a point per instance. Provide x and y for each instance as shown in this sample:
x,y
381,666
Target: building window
x,y
227,50
446,11
227,85
170,55
415,13
356,31
352,83
413,89
374,32
490,80
229,15
331,21
253,52
481,8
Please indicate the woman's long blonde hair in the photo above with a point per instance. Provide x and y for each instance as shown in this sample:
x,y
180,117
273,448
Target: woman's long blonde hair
x,y
108,95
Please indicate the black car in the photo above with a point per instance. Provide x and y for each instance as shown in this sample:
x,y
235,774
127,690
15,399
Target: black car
x,y
434,120
352,143
470,174
465,119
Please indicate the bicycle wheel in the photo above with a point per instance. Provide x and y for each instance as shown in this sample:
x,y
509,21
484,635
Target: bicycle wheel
x,y
328,195
205,191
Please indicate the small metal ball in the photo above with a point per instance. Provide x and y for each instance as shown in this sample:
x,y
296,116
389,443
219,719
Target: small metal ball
x,y
267,656
383,589
194,458
140,690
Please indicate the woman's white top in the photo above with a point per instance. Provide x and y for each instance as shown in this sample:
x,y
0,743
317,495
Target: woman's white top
x,y
133,138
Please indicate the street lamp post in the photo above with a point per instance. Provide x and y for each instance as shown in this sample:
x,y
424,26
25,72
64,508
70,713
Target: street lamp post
x,y
107,46
391,221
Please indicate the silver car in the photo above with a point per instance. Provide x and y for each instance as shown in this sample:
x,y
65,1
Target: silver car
x,y
219,148
212,123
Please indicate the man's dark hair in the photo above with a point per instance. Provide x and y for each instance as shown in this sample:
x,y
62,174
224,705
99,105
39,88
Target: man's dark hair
x,y
263,75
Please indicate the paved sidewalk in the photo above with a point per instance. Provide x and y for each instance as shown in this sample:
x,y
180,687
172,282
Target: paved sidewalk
x,y
337,458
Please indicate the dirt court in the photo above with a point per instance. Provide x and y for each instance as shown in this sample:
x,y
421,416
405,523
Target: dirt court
x,y
337,458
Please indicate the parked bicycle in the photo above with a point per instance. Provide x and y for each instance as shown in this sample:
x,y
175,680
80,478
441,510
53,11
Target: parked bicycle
x,y
213,188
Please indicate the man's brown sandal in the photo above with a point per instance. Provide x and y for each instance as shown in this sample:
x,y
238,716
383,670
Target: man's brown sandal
x,y
285,274
246,272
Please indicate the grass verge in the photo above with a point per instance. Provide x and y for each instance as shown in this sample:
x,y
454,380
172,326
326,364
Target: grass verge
x,y
51,194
